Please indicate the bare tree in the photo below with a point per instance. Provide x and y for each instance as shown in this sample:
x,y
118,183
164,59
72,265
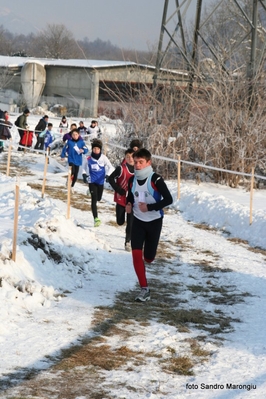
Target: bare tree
x,y
5,41
56,42
221,132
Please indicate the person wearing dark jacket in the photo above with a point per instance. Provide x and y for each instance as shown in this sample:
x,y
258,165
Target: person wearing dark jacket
x,y
147,196
22,123
82,129
119,182
39,129
5,126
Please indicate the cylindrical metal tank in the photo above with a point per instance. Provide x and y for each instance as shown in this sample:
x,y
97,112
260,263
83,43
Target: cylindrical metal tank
x,y
33,79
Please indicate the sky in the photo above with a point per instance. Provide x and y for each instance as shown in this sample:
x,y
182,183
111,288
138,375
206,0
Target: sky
x,y
126,23
94,269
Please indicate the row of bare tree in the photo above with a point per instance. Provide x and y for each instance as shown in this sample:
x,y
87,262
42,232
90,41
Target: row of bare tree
x,y
212,125
58,42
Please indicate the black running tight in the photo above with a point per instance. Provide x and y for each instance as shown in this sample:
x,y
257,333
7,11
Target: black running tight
x,y
74,173
96,191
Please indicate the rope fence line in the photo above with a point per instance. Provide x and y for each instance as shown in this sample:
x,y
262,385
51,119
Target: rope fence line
x,y
196,164
57,129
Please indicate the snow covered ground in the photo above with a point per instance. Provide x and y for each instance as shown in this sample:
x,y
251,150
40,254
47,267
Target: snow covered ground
x,y
48,303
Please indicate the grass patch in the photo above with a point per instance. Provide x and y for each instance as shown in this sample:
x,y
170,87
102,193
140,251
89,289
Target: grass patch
x,y
99,355
198,288
204,226
181,365
165,251
202,355
207,267
18,165
182,244
77,200
111,223
237,240
257,250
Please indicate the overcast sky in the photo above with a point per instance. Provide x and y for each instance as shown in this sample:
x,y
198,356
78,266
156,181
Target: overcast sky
x,y
131,24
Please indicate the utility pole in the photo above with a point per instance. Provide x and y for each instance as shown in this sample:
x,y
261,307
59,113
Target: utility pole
x,y
175,17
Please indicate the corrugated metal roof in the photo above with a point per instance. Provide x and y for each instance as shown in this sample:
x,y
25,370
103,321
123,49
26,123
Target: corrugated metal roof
x,y
6,61
20,61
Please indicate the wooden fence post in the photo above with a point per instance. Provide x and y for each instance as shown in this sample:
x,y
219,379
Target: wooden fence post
x,y
251,195
105,145
45,172
68,191
15,232
8,158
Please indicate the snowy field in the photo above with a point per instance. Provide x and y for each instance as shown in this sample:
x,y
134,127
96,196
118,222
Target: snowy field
x,y
49,305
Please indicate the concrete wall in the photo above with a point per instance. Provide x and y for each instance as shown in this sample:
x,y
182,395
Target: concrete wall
x,y
73,87
127,74
10,79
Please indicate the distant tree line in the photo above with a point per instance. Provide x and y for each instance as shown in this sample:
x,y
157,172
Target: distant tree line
x,y
58,42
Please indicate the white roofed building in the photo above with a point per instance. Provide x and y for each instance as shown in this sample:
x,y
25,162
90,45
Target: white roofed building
x,y
79,85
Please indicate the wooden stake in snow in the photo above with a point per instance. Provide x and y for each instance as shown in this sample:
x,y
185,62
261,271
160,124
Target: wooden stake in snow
x,y
45,172
8,158
105,145
15,232
68,191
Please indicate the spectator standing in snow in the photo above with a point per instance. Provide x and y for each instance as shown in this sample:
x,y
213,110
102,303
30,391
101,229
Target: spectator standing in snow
x,y
5,126
63,125
22,123
147,195
82,129
94,131
96,166
40,132
118,179
74,148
